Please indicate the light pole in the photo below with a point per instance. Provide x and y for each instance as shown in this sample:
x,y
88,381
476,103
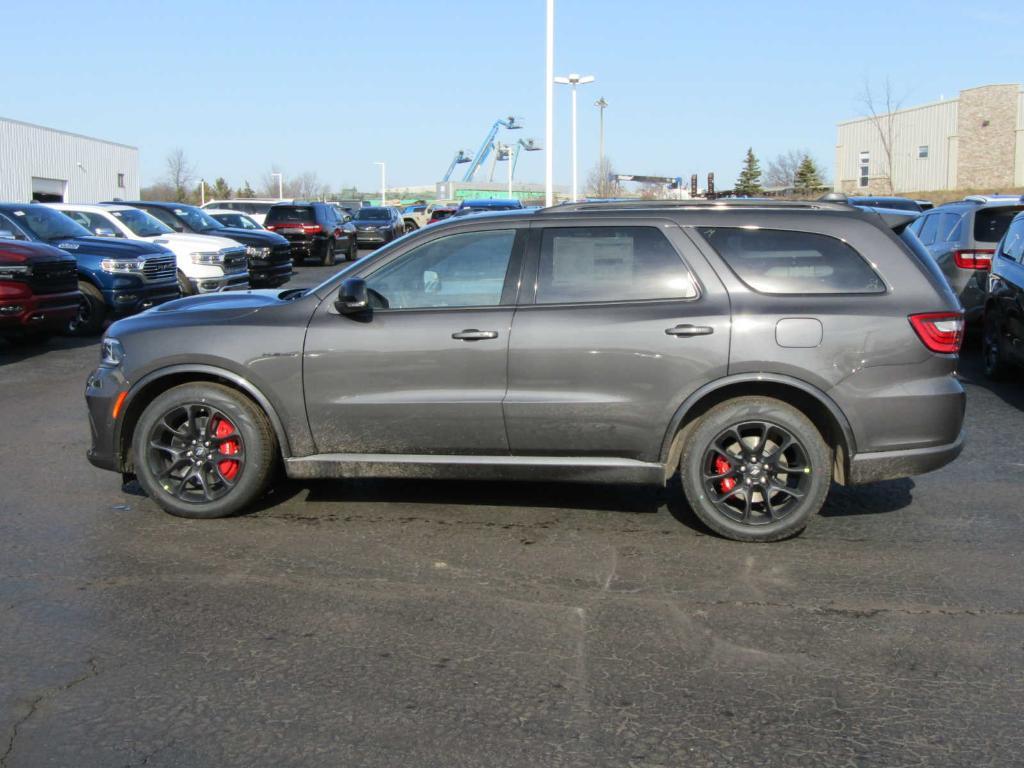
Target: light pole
x,y
549,116
574,80
280,185
202,192
601,104
383,182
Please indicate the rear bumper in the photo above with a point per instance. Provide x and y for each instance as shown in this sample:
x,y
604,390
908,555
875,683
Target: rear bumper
x,y
46,311
890,465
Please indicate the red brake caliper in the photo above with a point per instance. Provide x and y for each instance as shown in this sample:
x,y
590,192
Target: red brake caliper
x,y
228,467
722,466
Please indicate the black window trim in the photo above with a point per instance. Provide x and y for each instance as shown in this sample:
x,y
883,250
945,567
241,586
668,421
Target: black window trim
x,y
528,294
695,229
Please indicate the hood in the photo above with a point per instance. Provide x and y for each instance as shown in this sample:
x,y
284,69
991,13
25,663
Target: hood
x,y
260,239
109,247
232,302
193,242
13,252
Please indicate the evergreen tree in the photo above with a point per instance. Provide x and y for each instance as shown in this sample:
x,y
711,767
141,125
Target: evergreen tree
x,y
220,190
807,178
749,182
246,192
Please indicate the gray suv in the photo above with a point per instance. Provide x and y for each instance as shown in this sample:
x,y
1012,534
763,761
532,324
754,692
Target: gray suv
x,y
760,349
962,238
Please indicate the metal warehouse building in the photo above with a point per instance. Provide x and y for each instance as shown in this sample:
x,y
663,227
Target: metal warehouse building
x,y
975,141
48,165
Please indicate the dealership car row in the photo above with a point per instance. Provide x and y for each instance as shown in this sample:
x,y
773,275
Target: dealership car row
x,y
69,267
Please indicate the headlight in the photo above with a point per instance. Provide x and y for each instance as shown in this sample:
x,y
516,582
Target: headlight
x,y
15,271
111,353
255,252
118,266
207,257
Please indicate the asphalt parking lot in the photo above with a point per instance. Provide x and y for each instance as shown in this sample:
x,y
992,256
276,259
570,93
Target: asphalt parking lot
x,y
392,623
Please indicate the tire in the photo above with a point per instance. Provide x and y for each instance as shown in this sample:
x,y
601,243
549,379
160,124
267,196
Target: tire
x,y
712,465
201,487
92,312
184,285
328,259
409,226
353,250
996,366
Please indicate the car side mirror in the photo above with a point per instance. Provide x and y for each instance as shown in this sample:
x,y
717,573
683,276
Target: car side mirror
x,y
353,298
104,232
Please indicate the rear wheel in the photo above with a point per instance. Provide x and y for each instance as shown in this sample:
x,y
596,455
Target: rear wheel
x,y
91,312
203,450
353,249
755,469
328,260
996,367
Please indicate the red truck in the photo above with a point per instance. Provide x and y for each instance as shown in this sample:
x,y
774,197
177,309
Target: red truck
x,y
38,291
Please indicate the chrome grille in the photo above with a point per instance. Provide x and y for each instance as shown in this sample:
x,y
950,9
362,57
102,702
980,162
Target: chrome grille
x,y
159,268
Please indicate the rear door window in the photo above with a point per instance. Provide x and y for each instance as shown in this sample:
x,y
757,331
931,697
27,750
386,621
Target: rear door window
x,y
1013,245
990,224
788,262
583,264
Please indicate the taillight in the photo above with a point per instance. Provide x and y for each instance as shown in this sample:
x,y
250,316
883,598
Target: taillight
x,y
271,227
978,258
312,229
941,332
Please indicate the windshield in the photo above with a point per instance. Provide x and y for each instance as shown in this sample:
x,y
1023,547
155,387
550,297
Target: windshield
x,y
46,223
238,220
373,214
197,219
141,223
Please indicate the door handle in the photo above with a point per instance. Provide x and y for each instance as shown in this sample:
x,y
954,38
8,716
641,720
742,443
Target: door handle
x,y
690,330
472,334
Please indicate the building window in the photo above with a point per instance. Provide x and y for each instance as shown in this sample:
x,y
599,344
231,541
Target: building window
x,y
120,181
922,151
864,168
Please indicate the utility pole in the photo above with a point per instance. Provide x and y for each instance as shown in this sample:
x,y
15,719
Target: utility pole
x,y
549,116
574,80
601,104
383,183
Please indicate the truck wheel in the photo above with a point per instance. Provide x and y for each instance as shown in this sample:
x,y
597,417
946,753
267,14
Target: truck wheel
x,y
203,450
184,285
91,312
755,469
328,260
410,226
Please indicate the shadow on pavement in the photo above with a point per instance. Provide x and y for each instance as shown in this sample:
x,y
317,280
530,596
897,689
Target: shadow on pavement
x,y
14,353
972,372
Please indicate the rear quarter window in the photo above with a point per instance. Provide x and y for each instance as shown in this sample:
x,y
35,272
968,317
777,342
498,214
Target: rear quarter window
x,y
779,261
990,224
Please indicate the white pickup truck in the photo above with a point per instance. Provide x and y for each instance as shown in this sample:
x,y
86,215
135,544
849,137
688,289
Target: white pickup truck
x,y
206,263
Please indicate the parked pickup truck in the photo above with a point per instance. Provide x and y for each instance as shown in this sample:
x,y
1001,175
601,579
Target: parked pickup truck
x,y
418,216
116,277
270,255
38,291
206,263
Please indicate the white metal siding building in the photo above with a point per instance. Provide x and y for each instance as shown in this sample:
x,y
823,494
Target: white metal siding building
x,y
973,141
57,166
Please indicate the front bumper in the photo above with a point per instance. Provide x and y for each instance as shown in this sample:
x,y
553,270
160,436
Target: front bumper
x,y
375,236
890,465
101,392
45,311
129,301
271,271
233,282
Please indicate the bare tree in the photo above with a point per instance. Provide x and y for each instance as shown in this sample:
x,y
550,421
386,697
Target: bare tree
x,y
600,182
307,186
880,108
781,172
268,182
180,173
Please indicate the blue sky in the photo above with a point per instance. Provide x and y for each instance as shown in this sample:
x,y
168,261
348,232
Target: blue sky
x,y
333,86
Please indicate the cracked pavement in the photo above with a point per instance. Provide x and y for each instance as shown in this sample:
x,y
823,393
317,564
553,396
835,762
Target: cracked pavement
x,y
473,624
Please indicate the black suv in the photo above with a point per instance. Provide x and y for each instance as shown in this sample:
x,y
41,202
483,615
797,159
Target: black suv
x,y
314,230
377,225
1004,304
270,257
760,349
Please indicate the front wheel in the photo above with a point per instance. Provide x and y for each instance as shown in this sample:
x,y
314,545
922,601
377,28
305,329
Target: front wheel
x,y
185,285
996,367
755,469
91,312
203,450
328,260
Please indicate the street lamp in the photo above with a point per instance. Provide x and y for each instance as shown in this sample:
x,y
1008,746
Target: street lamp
x,y
574,80
383,182
280,185
549,114
601,104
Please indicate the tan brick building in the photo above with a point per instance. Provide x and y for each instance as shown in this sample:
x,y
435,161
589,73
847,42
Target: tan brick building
x,y
975,141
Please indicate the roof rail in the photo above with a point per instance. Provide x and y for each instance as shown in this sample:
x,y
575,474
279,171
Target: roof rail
x,y
682,205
